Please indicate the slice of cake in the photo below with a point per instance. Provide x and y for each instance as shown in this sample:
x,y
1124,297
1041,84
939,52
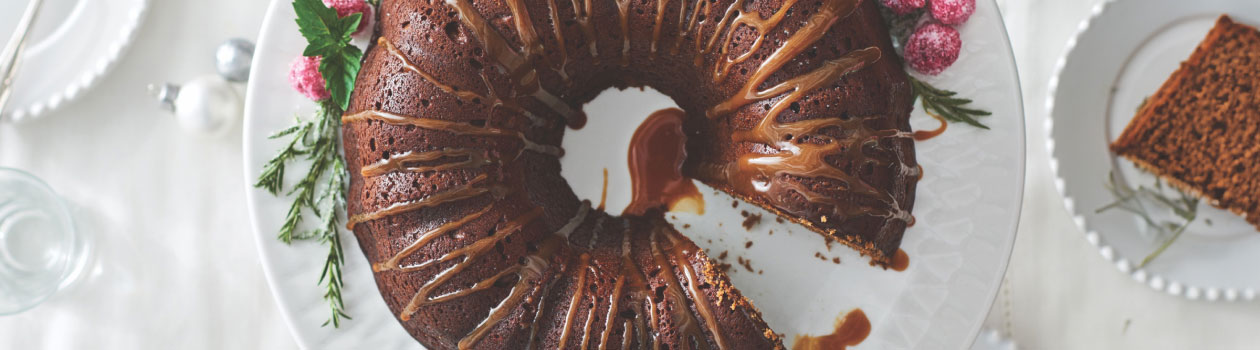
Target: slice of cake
x,y
1201,130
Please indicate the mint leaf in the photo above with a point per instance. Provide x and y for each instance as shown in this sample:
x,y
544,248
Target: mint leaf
x,y
346,26
320,26
339,70
329,36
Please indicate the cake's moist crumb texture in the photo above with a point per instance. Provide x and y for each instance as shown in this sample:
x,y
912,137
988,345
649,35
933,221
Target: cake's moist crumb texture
x,y
1201,130
452,142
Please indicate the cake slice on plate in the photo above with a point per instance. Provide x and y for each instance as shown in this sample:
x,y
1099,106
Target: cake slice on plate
x,y
1201,130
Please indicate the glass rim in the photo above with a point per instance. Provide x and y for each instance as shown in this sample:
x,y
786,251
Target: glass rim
x,y
76,261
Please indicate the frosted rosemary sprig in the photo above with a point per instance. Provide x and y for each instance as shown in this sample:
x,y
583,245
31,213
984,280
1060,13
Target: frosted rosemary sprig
x,y
947,104
321,192
1184,206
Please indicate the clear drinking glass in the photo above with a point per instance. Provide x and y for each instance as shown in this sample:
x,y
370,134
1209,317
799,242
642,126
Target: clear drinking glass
x,y
40,250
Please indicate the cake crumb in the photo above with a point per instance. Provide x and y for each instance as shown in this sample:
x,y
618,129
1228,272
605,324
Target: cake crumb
x,y
748,244
778,220
686,226
746,263
836,260
722,256
734,204
751,220
724,267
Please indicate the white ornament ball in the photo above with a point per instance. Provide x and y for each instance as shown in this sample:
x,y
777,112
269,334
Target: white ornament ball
x,y
208,105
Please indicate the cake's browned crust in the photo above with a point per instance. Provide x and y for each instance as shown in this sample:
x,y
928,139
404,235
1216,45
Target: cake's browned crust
x,y
1201,130
452,141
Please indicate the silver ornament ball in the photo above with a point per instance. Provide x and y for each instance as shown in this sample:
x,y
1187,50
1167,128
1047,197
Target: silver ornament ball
x,y
233,59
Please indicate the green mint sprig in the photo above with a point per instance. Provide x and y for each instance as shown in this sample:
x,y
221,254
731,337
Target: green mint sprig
x,y
322,190
329,36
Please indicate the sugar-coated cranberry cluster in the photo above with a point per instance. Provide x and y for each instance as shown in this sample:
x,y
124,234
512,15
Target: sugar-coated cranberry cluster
x,y
935,43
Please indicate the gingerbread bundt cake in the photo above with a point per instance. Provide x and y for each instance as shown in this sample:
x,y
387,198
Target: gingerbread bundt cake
x,y
476,240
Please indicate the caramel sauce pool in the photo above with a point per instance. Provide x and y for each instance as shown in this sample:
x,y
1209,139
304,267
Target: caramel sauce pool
x,y
900,261
851,330
657,151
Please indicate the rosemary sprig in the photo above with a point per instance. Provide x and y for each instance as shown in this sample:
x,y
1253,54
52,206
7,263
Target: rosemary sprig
x,y
1184,206
946,104
321,192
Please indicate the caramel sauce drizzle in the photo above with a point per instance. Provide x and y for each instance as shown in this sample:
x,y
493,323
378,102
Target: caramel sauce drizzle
x,y
813,30
538,312
656,28
695,18
590,318
760,172
527,274
643,297
721,26
763,28
584,264
614,299
623,12
465,95
520,69
681,250
451,127
688,325
564,233
425,238
525,29
559,33
403,162
411,66
583,17
468,253
467,190
924,135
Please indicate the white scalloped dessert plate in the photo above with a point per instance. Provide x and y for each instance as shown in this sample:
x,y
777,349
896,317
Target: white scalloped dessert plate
x,y
1121,55
72,44
967,209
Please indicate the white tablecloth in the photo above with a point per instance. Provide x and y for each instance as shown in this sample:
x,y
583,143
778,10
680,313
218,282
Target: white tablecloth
x,y
176,265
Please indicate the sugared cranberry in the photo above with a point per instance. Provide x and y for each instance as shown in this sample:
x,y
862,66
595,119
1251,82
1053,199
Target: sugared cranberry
x,y
305,78
933,47
953,12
